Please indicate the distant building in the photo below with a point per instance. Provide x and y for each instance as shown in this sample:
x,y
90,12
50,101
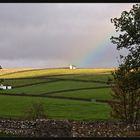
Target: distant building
x,y
2,87
5,87
72,67
9,87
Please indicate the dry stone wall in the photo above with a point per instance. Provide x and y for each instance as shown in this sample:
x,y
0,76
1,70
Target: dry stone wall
x,y
65,128
36,128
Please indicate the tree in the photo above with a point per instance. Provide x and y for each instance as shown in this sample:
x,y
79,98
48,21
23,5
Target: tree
x,y
0,67
129,26
36,111
126,87
126,91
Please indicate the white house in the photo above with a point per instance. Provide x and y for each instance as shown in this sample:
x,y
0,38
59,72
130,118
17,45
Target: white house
x,y
9,87
5,87
72,67
2,87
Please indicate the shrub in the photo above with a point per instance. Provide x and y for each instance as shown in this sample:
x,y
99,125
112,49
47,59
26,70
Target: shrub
x,y
36,111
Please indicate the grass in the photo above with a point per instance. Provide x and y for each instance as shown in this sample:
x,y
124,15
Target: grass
x,y
19,82
15,106
44,72
55,108
50,87
86,77
13,70
88,94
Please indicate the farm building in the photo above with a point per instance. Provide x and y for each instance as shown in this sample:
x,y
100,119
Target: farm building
x,y
5,87
72,67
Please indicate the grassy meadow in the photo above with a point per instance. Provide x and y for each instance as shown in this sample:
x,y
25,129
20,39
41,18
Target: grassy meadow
x,y
77,83
53,71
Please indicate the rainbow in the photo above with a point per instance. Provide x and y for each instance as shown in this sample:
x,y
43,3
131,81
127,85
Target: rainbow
x,y
96,54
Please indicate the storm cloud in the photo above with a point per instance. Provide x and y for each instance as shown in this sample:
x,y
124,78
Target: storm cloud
x,y
51,35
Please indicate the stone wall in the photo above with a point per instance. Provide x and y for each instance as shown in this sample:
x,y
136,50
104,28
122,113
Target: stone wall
x,y
105,129
36,128
65,128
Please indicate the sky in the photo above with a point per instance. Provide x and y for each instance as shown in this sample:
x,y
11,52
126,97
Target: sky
x,y
47,35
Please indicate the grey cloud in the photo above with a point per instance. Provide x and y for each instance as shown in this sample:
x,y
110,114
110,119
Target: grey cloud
x,y
51,32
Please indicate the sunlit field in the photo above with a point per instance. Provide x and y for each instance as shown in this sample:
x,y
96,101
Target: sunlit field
x,y
13,70
43,72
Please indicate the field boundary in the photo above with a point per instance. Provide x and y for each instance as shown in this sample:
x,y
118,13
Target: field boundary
x,y
80,80
36,77
43,82
53,80
59,97
20,71
76,89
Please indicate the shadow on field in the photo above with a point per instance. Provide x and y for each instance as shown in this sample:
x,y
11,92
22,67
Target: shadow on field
x,y
58,97
52,79
69,90
44,82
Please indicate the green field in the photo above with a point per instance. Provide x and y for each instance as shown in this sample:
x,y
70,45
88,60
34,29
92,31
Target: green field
x,y
55,108
88,94
79,83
